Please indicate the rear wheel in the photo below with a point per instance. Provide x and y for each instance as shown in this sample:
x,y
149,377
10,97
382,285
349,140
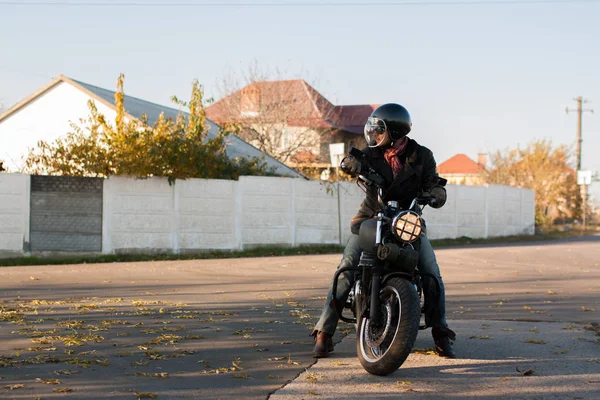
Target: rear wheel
x,y
382,348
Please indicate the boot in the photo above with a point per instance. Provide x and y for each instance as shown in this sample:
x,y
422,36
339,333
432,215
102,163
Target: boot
x,y
442,338
323,344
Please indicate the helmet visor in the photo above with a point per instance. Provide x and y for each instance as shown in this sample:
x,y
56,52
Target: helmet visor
x,y
375,132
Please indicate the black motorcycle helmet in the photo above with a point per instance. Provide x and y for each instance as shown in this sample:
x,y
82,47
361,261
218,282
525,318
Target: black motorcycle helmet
x,y
387,123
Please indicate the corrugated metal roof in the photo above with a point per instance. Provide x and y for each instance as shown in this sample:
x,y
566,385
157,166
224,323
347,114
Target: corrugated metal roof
x,y
236,147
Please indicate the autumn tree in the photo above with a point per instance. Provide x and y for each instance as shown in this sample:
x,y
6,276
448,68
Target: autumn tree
x,y
281,117
543,169
179,148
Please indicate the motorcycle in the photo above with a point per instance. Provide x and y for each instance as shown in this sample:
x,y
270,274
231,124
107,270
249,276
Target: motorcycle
x,y
387,299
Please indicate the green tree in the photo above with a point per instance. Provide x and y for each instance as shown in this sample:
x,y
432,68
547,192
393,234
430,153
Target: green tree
x,y
546,171
176,149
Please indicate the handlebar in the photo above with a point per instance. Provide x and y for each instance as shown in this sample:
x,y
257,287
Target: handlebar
x,y
424,200
364,169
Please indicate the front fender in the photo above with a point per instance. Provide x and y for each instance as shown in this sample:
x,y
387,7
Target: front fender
x,y
399,274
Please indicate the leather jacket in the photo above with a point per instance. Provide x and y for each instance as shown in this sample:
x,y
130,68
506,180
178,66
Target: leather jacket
x,y
418,175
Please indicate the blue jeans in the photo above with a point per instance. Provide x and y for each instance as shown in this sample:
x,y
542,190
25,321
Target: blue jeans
x,y
427,263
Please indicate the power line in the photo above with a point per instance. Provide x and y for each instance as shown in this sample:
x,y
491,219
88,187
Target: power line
x,y
24,72
294,4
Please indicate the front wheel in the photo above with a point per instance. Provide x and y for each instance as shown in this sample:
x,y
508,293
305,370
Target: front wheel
x,y
383,347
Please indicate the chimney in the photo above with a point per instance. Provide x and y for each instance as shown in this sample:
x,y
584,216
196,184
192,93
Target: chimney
x,y
250,101
481,160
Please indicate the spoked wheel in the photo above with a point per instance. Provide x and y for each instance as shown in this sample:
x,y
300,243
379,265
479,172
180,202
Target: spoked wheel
x,y
383,347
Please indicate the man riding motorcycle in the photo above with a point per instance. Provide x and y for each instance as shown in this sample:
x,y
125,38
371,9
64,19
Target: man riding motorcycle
x,y
409,170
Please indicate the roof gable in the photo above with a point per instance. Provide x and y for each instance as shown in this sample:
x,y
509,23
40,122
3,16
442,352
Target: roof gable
x,y
273,97
459,164
308,107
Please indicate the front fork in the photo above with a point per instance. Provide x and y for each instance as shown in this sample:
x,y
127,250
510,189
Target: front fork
x,y
377,275
374,309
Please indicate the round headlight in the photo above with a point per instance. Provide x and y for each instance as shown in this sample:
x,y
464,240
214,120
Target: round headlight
x,y
407,226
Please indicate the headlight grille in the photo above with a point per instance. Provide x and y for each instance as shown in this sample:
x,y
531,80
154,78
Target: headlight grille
x,y
408,226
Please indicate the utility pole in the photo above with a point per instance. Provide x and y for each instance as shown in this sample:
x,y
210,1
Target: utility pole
x,y
580,110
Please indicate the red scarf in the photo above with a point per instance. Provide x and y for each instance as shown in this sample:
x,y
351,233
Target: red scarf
x,y
391,155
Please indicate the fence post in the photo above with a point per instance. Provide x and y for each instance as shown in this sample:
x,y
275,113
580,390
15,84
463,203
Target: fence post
x,y
176,227
237,214
486,232
293,219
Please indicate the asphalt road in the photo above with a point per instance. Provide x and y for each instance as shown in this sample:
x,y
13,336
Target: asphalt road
x,y
238,328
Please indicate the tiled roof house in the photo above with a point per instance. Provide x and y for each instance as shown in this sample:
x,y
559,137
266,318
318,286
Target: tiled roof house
x,y
462,170
305,108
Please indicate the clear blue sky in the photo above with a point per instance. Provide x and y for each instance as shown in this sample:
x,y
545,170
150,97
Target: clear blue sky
x,y
476,78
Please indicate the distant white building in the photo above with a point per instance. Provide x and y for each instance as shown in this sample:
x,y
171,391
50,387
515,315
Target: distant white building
x,y
462,170
48,113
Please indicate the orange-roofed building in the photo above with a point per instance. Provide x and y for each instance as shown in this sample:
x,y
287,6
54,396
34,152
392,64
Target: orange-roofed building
x,y
462,170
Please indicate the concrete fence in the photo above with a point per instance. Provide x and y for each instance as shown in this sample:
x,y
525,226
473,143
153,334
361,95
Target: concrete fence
x,y
150,216
14,214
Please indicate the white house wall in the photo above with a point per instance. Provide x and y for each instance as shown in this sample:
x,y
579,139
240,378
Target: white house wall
x,y
45,118
14,213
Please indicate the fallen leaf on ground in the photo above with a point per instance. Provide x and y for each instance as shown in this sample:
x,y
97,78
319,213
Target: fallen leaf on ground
x,y
337,363
141,395
13,387
535,341
48,381
153,375
313,378
528,372
427,351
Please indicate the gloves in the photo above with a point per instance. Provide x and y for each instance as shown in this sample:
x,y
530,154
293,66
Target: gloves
x,y
350,165
439,193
